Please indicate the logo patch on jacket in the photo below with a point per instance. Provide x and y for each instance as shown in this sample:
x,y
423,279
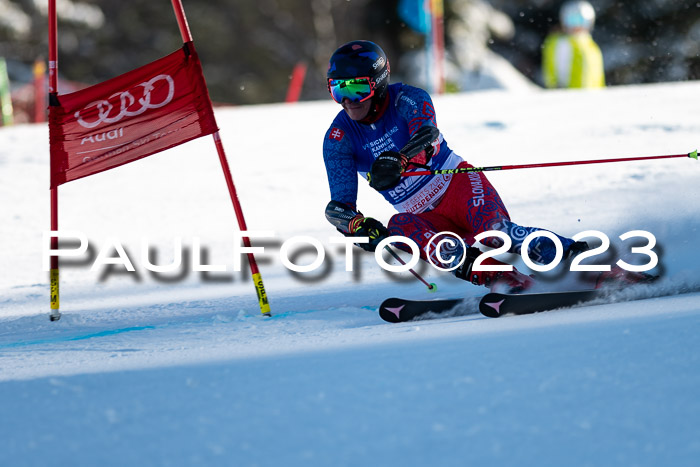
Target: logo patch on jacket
x,y
336,134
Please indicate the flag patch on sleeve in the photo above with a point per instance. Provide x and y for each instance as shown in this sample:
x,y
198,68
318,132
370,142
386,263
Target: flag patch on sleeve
x,y
336,134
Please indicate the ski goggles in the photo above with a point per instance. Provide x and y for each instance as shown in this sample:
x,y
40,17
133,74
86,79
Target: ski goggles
x,y
353,89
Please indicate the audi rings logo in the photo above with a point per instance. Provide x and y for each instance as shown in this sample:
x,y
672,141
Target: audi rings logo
x,y
127,102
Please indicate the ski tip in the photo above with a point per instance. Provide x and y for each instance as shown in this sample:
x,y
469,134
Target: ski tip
x,y
490,305
390,310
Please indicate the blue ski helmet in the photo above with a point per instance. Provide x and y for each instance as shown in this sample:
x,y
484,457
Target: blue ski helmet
x,y
360,59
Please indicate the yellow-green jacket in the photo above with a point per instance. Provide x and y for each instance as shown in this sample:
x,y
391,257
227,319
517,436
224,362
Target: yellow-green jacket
x,y
572,61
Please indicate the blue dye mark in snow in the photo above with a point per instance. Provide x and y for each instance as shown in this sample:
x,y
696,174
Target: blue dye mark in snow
x,y
109,332
284,314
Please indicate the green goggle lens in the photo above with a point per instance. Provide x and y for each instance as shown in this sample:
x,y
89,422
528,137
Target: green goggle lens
x,y
354,89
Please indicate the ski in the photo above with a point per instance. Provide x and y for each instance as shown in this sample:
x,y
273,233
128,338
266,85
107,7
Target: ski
x,y
494,305
398,310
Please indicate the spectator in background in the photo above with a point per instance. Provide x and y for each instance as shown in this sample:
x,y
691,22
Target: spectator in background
x,y
570,57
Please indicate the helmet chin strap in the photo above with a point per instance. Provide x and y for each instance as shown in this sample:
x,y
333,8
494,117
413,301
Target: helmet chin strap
x,y
376,110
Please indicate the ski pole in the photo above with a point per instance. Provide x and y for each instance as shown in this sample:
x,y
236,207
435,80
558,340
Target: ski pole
x,y
692,155
431,286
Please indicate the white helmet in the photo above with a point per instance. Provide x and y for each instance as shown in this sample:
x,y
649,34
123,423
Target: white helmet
x,y
577,14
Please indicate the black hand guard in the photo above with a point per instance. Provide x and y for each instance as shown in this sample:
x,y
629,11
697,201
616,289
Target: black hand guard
x,y
422,140
352,223
339,215
386,170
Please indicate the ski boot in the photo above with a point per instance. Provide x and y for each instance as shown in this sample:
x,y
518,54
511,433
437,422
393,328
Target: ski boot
x,y
618,277
498,281
576,249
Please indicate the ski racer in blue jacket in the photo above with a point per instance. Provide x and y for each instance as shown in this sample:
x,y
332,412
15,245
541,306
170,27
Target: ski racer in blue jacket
x,y
385,130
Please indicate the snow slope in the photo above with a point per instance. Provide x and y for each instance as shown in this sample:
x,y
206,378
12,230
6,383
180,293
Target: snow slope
x,y
179,368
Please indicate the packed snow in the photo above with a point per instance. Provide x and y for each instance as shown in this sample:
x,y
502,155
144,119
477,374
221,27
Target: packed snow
x,y
180,368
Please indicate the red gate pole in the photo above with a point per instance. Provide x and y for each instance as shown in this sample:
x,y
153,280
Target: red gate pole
x,y
296,83
53,100
257,277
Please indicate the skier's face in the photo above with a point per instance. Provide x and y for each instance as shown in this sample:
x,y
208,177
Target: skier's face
x,y
357,110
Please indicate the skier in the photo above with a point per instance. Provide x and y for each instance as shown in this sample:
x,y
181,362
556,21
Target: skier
x,y
571,58
385,130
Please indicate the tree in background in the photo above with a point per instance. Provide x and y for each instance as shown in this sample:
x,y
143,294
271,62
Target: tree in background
x,y
250,47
